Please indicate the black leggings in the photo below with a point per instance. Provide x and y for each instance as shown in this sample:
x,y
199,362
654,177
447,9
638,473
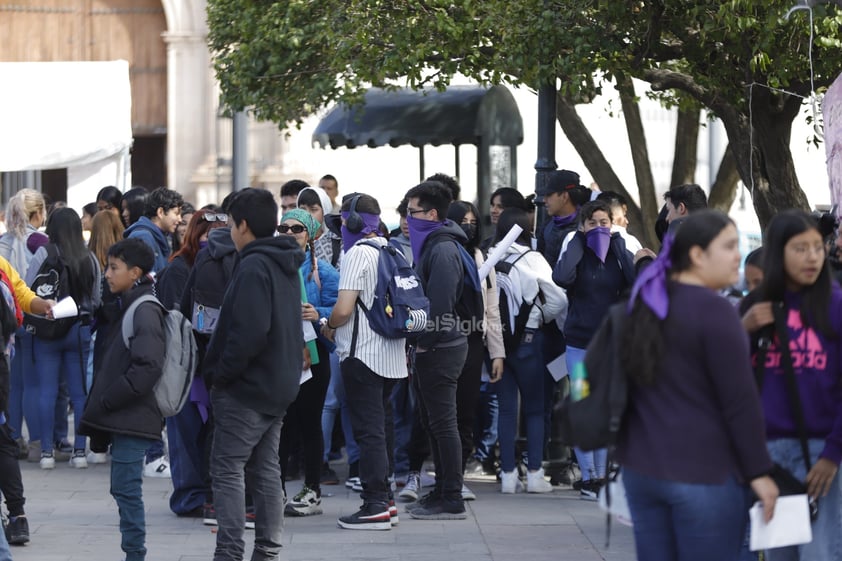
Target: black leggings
x,y
11,484
303,422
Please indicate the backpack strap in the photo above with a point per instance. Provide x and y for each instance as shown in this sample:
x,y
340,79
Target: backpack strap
x,y
128,318
335,250
359,301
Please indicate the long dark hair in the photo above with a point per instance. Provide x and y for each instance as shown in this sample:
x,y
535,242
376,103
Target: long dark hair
x,y
643,336
197,228
815,302
135,200
64,228
509,218
457,212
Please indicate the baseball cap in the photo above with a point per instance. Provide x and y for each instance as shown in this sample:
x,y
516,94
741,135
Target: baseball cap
x,y
559,181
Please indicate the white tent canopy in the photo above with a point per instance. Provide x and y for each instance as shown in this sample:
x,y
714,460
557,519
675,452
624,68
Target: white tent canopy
x,y
74,115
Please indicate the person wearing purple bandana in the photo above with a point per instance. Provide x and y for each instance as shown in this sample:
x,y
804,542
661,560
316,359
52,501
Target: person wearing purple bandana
x,y
693,436
595,269
440,352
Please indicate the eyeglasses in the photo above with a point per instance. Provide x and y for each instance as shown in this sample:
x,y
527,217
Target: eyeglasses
x,y
417,210
209,217
286,228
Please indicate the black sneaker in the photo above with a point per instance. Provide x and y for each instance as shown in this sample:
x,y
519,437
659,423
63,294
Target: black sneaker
x,y
329,476
17,531
440,509
369,517
426,500
209,515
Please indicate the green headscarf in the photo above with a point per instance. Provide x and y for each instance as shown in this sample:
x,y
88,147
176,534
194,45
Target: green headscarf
x,y
305,218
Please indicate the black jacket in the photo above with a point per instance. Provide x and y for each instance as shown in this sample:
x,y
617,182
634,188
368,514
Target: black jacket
x,y
255,354
592,286
170,282
552,238
442,275
121,399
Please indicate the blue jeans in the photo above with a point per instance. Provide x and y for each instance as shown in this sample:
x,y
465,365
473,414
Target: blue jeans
x,y
65,358
187,438
675,521
245,451
592,464
485,423
5,554
126,488
24,398
336,403
524,372
827,529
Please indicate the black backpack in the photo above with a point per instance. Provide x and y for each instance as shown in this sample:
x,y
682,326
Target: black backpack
x,y
594,421
212,277
53,282
514,311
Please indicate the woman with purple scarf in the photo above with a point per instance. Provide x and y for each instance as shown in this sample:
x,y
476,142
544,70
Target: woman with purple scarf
x,y
693,436
596,269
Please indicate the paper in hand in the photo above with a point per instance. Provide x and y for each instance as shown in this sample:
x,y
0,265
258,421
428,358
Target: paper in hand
x,y
65,308
789,526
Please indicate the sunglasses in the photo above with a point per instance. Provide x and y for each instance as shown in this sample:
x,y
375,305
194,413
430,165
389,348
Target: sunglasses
x,y
215,217
286,228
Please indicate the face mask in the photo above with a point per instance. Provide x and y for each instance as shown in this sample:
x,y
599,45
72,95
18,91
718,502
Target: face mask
x,y
418,232
599,240
470,231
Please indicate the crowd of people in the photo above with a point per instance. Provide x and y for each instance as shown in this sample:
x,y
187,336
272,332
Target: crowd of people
x,y
317,327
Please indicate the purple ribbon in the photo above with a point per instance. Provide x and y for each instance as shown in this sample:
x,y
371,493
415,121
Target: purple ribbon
x,y
419,230
199,396
651,283
599,240
372,225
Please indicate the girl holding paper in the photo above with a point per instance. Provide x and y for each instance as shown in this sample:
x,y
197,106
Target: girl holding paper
x,y
798,297
303,419
66,357
692,436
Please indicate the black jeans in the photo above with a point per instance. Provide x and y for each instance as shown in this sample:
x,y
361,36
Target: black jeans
x,y
437,373
467,394
303,421
11,484
370,409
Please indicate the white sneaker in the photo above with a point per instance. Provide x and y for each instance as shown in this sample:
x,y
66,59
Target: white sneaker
x,y
511,482
78,460
47,461
412,488
97,457
467,494
305,503
536,483
157,468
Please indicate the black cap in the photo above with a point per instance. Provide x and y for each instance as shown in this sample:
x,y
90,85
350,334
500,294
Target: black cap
x,y
559,181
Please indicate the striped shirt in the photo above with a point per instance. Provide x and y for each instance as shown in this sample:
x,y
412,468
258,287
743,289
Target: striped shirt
x,y
385,357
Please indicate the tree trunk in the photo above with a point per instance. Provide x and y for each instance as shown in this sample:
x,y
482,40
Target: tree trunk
x,y
587,148
640,157
766,165
724,189
686,145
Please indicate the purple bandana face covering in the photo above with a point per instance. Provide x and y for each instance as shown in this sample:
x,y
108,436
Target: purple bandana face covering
x,y
599,240
418,232
651,283
372,224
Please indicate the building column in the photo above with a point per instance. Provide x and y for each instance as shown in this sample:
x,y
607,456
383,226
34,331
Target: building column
x,y
188,137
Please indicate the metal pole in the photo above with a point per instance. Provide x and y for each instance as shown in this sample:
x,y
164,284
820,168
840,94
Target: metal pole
x,y
546,147
421,164
239,153
457,163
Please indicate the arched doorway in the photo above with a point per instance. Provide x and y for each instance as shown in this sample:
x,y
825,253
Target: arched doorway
x,y
98,30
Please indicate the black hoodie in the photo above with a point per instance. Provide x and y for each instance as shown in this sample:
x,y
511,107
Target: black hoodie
x,y
442,275
255,354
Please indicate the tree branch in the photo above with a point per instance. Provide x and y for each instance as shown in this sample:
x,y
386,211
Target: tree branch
x,y
661,79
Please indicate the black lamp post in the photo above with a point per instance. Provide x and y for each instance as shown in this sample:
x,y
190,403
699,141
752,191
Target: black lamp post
x,y
546,148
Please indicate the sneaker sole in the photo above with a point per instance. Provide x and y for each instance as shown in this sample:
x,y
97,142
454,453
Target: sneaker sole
x,y
469,497
20,540
380,525
209,521
439,516
307,511
408,496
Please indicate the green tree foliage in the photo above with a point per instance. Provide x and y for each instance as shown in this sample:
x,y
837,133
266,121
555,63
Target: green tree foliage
x,y
287,59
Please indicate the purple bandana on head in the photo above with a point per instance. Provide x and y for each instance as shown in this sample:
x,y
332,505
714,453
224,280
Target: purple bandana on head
x,y
419,230
562,221
651,283
599,240
372,225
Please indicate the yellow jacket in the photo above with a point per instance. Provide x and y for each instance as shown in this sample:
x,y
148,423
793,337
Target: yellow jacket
x,y
22,292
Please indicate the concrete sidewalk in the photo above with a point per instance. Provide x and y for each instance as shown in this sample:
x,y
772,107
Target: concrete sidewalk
x,y
73,518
